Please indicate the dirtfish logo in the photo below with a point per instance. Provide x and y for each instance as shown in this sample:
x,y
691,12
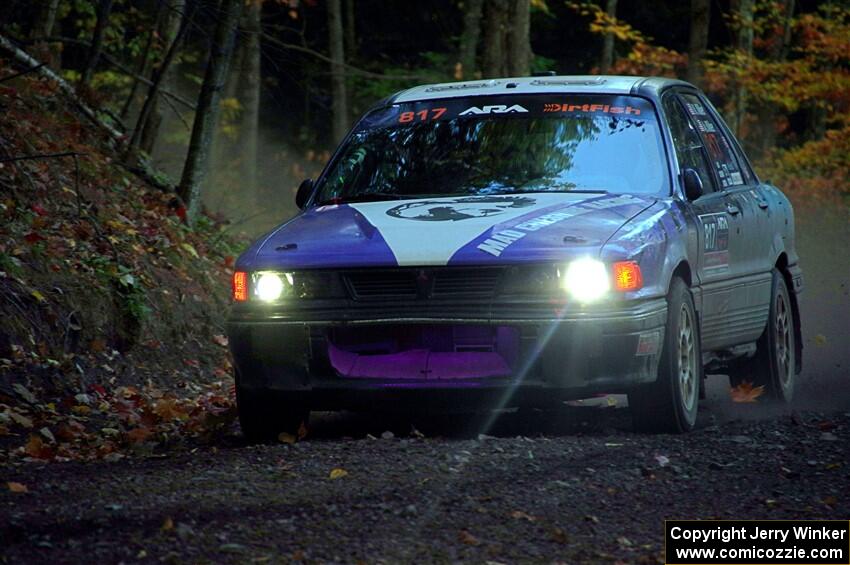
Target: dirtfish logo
x,y
496,109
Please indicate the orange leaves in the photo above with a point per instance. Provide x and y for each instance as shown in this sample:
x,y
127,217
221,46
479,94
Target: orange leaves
x,y
138,435
38,449
746,392
108,424
17,487
169,409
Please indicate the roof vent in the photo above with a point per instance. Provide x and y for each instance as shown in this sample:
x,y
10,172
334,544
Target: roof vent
x,y
570,82
463,86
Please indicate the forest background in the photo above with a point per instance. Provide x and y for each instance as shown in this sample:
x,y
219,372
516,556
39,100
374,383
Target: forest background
x,y
234,102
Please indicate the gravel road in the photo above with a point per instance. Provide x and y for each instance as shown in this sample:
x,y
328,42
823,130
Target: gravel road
x,y
576,486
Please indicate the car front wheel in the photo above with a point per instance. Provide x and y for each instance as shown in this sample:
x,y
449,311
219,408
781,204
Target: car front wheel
x,y
669,405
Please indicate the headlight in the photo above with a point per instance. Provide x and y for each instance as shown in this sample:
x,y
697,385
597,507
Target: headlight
x,y
270,286
587,279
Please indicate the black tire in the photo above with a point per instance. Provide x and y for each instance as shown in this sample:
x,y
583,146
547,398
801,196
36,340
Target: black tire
x,y
263,415
774,364
669,405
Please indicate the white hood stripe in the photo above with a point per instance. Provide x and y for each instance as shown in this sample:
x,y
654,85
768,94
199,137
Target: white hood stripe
x,y
430,231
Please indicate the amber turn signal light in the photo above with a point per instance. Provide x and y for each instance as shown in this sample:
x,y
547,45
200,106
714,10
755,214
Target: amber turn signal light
x,y
627,276
240,286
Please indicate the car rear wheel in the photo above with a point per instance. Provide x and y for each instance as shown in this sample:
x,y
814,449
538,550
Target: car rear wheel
x,y
263,415
774,364
669,405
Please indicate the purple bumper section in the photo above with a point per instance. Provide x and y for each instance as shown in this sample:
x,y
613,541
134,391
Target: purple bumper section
x,y
421,364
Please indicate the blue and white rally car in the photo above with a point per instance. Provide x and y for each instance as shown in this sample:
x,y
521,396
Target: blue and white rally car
x,y
522,241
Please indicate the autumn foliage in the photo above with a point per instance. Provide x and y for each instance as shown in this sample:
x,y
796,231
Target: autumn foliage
x,y
111,306
806,80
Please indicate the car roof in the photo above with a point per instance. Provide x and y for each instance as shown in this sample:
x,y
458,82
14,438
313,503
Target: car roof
x,y
580,84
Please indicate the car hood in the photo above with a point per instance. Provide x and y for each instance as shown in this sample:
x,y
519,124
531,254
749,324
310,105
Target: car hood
x,y
471,230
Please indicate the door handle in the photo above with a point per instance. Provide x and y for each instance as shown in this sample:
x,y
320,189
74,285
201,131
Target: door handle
x,y
763,204
732,209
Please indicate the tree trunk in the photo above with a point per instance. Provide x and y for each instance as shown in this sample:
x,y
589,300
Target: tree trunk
x,y
134,145
469,38
45,18
169,30
221,49
700,19
607,58
778,52
519,41
350,30
144,63
250,83
494,38
744,43
339,103
42,28
104,9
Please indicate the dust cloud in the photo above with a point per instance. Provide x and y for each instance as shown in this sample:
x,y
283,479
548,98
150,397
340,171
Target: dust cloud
x,y
824,385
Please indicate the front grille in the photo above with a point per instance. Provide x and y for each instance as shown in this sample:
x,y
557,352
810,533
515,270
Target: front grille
x,y
412,283
466,282
383,284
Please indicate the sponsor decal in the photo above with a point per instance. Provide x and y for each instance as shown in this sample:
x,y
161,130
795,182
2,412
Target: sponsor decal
x,y
715,241
460,221
592,108
494,109
456,209
498,242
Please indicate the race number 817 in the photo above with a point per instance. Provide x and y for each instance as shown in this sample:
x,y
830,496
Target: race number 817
x,y
426,115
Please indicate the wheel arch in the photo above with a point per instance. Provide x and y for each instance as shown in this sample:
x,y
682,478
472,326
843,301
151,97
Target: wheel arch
x,y
781,265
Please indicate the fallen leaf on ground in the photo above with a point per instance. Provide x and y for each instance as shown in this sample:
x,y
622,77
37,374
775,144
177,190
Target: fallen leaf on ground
x,y
559,536
284,437
746,392
24,393
167,524
467,538
17,487
138,435
520,515
338,473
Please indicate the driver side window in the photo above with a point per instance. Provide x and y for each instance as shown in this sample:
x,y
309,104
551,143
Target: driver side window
x,y
690,152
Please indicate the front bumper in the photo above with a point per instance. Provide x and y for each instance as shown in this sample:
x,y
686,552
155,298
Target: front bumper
x,y
562,354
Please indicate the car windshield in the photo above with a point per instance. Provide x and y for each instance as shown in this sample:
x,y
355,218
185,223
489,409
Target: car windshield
x,y
498,145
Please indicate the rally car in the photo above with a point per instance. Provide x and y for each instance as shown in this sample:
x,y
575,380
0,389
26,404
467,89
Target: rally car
x,y
521,242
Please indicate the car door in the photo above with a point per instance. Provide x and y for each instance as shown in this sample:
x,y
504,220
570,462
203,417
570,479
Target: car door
x,y
760,199
745,299
716,220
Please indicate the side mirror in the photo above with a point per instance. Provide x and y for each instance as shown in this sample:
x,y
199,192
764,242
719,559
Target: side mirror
x,y
693,184
305,189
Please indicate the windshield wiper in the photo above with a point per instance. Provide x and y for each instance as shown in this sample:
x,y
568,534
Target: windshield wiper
x,y
542,191
363,197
